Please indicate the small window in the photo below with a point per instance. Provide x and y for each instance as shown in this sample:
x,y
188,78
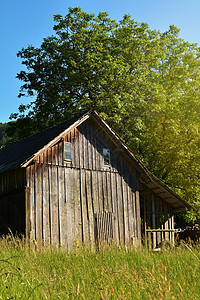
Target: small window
x,y
68,150
106,157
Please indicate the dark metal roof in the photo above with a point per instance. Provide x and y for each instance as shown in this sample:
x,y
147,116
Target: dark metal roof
x,y
19,152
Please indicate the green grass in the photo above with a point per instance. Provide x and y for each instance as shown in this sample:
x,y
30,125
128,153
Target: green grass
x,y
113,273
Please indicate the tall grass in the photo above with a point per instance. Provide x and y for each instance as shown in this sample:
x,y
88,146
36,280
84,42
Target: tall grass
x,y
113,273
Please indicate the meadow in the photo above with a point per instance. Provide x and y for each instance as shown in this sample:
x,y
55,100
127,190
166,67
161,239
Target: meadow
x,y
112,273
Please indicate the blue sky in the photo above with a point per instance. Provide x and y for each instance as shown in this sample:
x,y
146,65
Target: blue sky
x,y
28,22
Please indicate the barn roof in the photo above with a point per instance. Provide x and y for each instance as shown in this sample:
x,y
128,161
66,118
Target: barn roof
x,y
19,152
22,152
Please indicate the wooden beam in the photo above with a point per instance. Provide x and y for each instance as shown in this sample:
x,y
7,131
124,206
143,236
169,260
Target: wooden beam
x,y
28,212
161,230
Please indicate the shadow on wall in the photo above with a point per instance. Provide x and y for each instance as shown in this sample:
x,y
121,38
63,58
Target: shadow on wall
x,y
11,218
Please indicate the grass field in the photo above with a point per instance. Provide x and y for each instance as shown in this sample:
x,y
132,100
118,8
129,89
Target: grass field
x,y
113,273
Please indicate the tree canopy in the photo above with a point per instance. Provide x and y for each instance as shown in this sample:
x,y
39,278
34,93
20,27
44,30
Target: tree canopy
x,y
145,83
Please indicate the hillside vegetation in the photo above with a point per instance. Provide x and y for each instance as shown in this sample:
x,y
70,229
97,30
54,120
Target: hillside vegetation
x,y
3,137
113,273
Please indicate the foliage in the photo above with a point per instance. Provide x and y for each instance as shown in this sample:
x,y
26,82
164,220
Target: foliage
x,y
3,137
113,273
146,84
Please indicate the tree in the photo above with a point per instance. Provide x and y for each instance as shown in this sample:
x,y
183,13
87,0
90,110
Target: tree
x,y
90,62
145,83
3,137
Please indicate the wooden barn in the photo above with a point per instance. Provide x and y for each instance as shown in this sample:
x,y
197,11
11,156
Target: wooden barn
x,y
78,182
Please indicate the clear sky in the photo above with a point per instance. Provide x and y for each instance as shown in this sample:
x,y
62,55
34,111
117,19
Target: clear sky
x,y
25,22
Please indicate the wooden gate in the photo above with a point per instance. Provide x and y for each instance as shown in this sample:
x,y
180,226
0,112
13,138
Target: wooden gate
x,y
158,225
157,220
104,227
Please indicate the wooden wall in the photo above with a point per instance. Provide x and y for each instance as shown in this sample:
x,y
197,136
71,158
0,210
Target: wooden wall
x,y
66,197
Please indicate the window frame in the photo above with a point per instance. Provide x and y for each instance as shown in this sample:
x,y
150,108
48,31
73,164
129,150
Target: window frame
x,y
65,151
104,157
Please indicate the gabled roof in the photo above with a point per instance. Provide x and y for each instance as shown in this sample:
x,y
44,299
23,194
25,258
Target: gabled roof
x,y
22,152
19,152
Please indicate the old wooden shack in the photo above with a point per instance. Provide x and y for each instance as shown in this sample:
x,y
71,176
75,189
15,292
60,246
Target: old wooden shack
x,y
78,181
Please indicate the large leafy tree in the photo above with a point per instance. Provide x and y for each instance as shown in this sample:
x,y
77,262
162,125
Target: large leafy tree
x,y
146,84
89,62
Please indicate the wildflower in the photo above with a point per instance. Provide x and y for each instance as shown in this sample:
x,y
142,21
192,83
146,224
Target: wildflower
x,y
110,269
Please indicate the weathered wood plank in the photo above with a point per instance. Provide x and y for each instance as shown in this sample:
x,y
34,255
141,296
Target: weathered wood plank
x,y
100,190
90,148
61,202
81,150
61,152
73,212
104,191
32,199
90,207
120,207
77,205
46,195
56,154
137,199
63,212
84,207
172,226
54,207
149,217
28,211
68,207
166,221
158,225
114,207
96,153
131,212
38,204
45,156
160,230
53,155
72,145
49,156
84,148
153,222
109,192
125,215
76,162
95,192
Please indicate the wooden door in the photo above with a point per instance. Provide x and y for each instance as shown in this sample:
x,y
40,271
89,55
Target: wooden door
x,y
104,227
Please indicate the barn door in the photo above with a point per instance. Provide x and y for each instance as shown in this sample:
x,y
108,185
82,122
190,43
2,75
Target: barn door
x,y
104,229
